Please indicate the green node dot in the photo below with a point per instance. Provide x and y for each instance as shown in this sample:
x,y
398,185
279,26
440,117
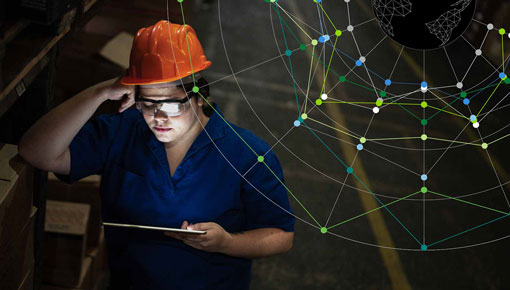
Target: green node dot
x,y
338,32
424,104
424,137
502,31
195,89
324,230
180,1
304,116
507,81
379,103
362,140
314,42
302,46
318,102
260,159
267,1
342,79
382,94
350,170
424,190
485,145
463,94
424,122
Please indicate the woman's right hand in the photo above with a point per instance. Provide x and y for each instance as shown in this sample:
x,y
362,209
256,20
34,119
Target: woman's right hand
x,y
114,90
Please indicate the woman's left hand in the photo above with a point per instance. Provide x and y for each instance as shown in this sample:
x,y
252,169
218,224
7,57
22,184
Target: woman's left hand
x,y
215,240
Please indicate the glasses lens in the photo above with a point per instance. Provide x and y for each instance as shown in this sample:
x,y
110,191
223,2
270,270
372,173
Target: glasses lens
x,y
171,109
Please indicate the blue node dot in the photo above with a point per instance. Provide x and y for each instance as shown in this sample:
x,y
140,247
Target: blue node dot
x,y
466,101
321,39
297,123
387,82
326,37
424,247
288,52
350,170
424,84
424,177
502,75
359,147
318,1
472,118
358,63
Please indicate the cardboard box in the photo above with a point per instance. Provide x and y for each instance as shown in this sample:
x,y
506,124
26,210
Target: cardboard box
x,y
99,262
28,281
64,242
84,281
16,194
84,191
18,260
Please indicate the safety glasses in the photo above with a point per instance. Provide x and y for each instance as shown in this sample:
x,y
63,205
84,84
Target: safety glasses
x,y
171,108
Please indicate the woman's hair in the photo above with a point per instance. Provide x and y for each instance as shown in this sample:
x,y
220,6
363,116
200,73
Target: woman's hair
x,y
203,90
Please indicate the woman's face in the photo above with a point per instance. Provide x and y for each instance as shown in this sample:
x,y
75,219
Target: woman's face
x,y
175,128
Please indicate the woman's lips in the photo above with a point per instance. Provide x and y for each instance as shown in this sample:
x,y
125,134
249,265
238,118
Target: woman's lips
x,y
162,129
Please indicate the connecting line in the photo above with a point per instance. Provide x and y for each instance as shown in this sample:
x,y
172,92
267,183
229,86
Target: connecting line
x,y
309,78
187,43
489,98
288,15
503,52
375,209
470,203
471,229
363,184
329,65
290,61
324,11
334,128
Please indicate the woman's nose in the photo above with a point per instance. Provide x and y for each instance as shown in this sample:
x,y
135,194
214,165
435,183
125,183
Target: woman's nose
x,y
160,115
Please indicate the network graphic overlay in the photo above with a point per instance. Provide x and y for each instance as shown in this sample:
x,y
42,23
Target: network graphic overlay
x,y
420,115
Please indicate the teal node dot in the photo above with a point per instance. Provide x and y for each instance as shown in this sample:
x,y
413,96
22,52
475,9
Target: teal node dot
x,y
350,170
341,79
382,94
424,247
302,46
195,89
324,230
260,159
300,119
288,52
424,122
424,190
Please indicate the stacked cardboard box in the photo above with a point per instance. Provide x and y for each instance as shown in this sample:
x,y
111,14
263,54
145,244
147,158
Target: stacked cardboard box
x,y
17,217
85,254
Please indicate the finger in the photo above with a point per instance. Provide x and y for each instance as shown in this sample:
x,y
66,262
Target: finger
x,y
184,225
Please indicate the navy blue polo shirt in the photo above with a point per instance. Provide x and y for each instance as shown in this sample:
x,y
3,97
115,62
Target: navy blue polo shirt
x,y
217,181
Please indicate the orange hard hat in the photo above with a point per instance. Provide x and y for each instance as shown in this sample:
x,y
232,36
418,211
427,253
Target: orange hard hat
x,y
164,52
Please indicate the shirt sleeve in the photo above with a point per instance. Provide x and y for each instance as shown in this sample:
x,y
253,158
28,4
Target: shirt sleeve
x,y
265,197
89,148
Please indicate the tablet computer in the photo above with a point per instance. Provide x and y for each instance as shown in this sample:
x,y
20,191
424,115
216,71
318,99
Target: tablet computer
x,y
154,228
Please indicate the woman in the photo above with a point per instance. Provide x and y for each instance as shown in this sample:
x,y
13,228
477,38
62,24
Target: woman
x,y
172,162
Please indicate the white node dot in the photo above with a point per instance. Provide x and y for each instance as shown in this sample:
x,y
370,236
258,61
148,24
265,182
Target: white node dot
x,y
478,52
509,35
459,85
350,28
362,59
476,125
375,110
324,97
490,26
347,1
423,90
